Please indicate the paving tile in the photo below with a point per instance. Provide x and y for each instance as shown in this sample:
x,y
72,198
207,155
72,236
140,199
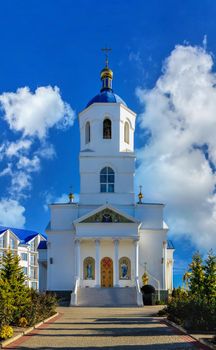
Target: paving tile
x,y
106,329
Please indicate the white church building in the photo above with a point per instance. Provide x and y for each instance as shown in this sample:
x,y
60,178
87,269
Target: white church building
x,y
99,248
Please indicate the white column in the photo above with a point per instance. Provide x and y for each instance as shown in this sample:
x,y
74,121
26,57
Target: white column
x,y
164,264
97,263
136,248
78,259
116,263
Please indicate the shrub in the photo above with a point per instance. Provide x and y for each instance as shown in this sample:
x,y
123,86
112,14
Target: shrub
x,y
192,313
160,302
195,308
162,312
179,293
147,288
20,305
41,307
23,322
6,332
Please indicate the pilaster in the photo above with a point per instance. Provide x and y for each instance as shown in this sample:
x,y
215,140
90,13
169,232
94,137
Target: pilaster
x,y
97,262
116,263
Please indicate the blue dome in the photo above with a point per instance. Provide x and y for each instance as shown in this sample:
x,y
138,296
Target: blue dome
x,y
106,96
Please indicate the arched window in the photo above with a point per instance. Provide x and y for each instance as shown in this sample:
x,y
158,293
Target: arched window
x,y
124,268
87,133
107,129
89,268
126,132
107,179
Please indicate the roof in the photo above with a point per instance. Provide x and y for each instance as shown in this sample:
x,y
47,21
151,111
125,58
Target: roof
x,y
106,96
24,235
170,245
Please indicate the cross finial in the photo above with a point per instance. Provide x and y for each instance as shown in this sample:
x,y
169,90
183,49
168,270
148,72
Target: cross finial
x,y
71,195
145,266
106,50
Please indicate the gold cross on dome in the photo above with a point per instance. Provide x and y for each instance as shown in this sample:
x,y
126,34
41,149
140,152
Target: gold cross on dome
x,y
106,50
145,266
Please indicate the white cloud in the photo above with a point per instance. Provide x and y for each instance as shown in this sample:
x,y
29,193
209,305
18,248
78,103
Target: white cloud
x,y
179,116
2,151
63,198
136,58
20,181
47,151
205,42
30,114
6,171
12,213
30,165
34,113
14,148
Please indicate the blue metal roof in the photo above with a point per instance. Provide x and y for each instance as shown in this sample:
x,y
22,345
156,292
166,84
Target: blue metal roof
x,y
106,96
24,235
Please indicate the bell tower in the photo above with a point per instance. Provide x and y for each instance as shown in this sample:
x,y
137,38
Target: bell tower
x,y
107,159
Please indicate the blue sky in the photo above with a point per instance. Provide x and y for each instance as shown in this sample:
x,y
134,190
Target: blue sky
x,y
58,43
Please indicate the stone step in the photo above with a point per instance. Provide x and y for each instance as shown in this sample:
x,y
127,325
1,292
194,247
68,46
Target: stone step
x,y
107,296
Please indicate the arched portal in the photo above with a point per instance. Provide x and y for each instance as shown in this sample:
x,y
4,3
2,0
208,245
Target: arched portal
x,y
106,272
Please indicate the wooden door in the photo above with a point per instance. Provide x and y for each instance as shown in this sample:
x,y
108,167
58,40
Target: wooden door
x,y
106,272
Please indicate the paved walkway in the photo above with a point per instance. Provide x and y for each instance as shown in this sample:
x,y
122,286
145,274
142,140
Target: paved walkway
x,y
106,329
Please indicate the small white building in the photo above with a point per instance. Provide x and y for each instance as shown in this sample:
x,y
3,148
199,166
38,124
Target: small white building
x,y
25,244
99,248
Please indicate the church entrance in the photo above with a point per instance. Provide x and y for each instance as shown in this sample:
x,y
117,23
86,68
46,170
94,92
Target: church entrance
x,y
106,272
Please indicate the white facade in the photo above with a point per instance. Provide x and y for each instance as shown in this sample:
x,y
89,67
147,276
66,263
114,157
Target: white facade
x,y
27,250
107,239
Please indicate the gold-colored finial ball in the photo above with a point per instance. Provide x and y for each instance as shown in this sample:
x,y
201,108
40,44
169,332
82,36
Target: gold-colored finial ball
x,y
140,195
106,73
145,278
71,197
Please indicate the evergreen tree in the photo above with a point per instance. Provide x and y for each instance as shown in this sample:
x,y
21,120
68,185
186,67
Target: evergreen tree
x,y
7,307
196,276
11,270
210,276
13,277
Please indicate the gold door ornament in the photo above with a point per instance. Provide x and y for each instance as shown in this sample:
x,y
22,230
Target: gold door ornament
x,y
106,272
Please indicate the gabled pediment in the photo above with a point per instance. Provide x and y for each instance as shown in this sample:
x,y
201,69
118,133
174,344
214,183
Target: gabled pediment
x,y
12,234
106,214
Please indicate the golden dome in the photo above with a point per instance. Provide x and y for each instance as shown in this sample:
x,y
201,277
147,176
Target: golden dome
x,y
106,73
